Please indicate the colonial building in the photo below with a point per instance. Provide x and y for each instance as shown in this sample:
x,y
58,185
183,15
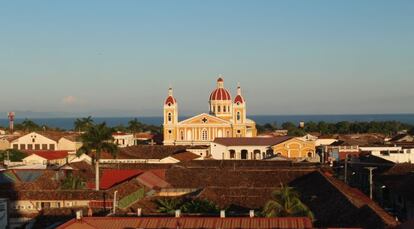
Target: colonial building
x,y
259,148
227,118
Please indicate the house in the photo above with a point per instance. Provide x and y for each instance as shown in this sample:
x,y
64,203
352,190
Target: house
x,y
47,158
152,154
259,148
47,140
395,190
123,139
143,138
402,138
5,141
396,154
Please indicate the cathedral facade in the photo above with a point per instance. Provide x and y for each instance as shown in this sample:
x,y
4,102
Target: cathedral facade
x,y
227,118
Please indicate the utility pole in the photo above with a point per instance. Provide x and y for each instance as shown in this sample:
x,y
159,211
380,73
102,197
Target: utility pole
x,y
115,202
370,180
346,169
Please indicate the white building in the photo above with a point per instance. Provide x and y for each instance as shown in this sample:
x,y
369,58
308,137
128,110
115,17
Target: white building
x,y
243,148
396,154
123,139
47,158
47,141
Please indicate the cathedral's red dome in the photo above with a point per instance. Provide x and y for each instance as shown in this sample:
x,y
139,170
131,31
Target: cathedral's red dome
x,y
238,99
170,100
220,94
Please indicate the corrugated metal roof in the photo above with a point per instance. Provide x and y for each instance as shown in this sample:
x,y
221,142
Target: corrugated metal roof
x,y
111,177
190,222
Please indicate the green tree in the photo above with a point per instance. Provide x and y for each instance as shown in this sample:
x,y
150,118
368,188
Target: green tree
x,y
12,155
72,183
199,206
29,125
134,125
97,139
82,124
168,205
285,202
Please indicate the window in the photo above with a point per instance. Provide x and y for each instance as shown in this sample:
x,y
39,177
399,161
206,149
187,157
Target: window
x,y
244,154
52,147
22,146
238,131
232,154
169,131
182,135
169,117
44,146
37,146
238,116
204,135
224,109
30,147
15,146
310,154
218,108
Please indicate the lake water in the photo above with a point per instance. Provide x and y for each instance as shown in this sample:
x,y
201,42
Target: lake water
x,y
67,123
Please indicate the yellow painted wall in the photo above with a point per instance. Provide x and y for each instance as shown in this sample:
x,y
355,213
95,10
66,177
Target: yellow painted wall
x,y
295,148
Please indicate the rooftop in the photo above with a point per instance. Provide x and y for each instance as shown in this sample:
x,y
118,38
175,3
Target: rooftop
x,y
188,222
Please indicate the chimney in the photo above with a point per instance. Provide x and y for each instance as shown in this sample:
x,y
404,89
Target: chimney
x,y
177,213
251,213
222,214
79,215
139,212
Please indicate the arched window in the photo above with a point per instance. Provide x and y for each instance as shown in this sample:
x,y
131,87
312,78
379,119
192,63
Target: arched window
x,y
169,117
232,154
238,116
243,155
204,135
218,109
224,108
182,135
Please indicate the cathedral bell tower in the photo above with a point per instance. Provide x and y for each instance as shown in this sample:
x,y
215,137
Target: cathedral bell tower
x,y
170,118
239,114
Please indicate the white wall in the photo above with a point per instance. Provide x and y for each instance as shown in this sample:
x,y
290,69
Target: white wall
x,y
221,152
396,154
34,139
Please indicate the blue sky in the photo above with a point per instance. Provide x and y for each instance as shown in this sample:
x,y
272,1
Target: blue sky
x,y
290,57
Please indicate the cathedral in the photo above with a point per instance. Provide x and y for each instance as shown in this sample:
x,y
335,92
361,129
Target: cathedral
x,y
227,118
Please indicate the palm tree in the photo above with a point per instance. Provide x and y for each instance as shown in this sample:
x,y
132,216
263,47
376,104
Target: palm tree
x,y
285,202
97,139
82,124
199,206
134,125
168,205
29,125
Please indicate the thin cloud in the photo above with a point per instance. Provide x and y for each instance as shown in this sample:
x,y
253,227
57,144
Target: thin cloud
x,y
70,100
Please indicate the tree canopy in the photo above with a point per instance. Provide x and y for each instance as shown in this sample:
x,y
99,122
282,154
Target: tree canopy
x,y
286,202
344,127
